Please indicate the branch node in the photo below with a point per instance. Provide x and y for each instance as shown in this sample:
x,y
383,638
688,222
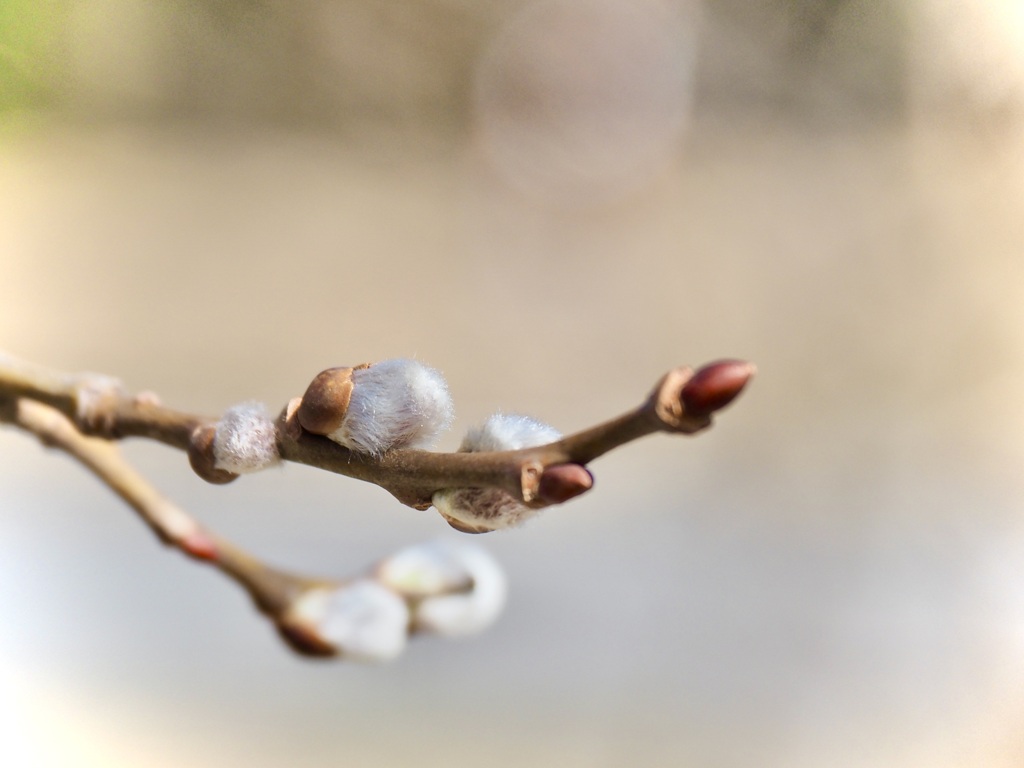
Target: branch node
x,y
529,480
96,398
288,425
200,545
667,407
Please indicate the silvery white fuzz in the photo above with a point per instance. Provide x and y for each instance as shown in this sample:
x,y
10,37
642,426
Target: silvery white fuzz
x,y
456,588
395,404
363,620
245,439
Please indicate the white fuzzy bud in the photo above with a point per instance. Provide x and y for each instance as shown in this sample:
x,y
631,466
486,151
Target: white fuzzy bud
x,y
395,404
458,589
422,570
245,439
488,509
362,620
478,510
508,432
465,614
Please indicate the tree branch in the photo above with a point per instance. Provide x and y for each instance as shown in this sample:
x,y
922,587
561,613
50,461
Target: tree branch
x,y
681,402
429,588
279,595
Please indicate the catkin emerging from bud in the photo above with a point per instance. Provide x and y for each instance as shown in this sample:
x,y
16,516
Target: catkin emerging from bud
x,y
245,439
374,409
478,510
362,620
508,432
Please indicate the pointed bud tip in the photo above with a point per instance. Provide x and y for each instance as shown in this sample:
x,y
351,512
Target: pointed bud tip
x,y
562,482
716,385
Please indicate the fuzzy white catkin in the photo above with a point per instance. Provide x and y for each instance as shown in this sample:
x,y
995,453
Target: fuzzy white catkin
x,y
395,404
492,508
425,569
508,432
245,439
363,620
460,613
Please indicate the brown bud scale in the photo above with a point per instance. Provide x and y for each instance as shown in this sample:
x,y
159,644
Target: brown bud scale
x,y
200,456
326,400
304,641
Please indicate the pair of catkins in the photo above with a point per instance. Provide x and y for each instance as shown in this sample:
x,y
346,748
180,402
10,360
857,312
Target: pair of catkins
x,y
445,588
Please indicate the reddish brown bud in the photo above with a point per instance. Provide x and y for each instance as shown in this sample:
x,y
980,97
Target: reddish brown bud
x,y
200,456
200,545
326,400
715,386
563,482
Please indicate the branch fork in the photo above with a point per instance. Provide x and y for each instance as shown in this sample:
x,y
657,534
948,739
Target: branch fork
x,y
504,472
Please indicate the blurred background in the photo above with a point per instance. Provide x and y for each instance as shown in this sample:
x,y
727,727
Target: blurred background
x,y
552,202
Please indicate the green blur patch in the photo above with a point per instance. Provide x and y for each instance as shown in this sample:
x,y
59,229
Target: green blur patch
x,y
27,54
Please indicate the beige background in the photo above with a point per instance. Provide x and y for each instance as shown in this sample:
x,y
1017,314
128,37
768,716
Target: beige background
x,y
553,203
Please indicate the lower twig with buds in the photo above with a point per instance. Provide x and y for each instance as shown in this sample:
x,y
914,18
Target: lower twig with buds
x,y
370,422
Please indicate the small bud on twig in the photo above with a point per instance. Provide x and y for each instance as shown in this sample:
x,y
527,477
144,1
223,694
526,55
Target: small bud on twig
x,y
563,482
715,386
199,544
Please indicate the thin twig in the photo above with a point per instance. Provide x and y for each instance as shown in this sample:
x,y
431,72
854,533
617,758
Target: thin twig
x,y
97,405
272,590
